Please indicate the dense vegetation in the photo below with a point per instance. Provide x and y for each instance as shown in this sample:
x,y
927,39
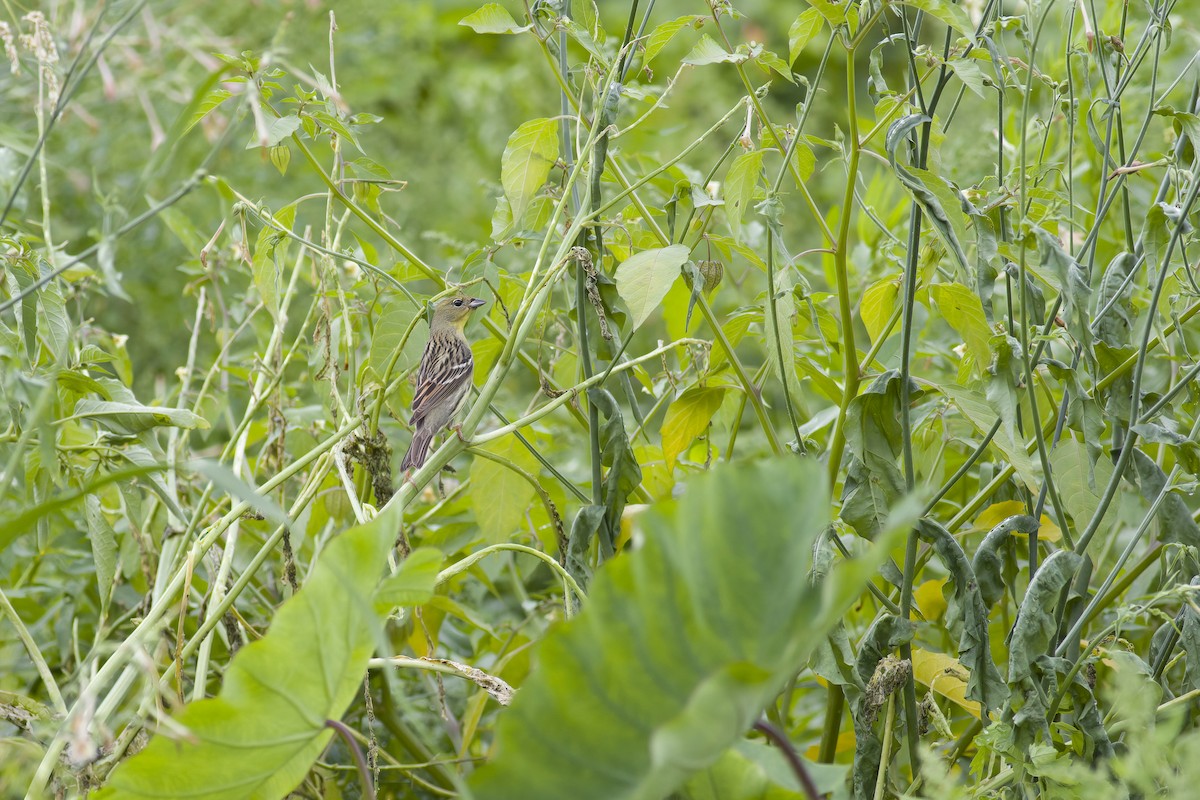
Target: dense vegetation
x,y
834,424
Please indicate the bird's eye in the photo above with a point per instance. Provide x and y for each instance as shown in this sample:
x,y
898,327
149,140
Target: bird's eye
x,y
458,302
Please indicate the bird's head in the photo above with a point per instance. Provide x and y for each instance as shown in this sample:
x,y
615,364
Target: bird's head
x,y
453,311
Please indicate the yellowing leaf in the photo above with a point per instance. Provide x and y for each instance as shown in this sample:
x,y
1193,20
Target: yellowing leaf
x,y
996,513
930,599
964,312
643,280
528,157
878,303
500,495
687,418
944,675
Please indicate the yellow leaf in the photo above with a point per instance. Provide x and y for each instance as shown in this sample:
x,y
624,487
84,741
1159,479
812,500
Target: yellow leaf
x,y
930,599
996,513
687,418
845,744
945,676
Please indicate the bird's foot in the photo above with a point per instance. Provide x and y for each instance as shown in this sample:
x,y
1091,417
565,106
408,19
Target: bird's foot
x,y
458,432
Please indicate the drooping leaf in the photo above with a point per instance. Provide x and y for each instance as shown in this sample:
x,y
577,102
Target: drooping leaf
x,y
104,548
974,645
989,564
1075,289
131,418
262,733
873,439
644,279
661,672
949,13
1175,523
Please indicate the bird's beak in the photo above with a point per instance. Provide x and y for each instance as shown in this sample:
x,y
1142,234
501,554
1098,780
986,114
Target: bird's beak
x,y
475,302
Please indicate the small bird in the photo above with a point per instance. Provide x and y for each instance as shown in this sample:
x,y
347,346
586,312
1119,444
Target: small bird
x,y
444,377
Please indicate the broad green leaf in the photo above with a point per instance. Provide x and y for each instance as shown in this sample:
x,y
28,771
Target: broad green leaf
x,y
951,14
644,279
1080,483
528,158
206,105
681,644
981,413
707,51
754,770
414,582
878,304
1075,290
664,33
806,26
262,733
771,62
962,311
503,495
834,12
740,183
278,129
54,324
994,563
492,18
130,418
270,247
394,324
688,417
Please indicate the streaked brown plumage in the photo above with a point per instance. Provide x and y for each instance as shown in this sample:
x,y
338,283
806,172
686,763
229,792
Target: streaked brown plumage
x,y
444,376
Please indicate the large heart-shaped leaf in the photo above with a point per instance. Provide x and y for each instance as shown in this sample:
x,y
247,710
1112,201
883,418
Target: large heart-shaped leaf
x,y
681,645
260,736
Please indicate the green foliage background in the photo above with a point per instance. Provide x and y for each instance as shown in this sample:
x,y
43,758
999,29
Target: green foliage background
x,y
888,464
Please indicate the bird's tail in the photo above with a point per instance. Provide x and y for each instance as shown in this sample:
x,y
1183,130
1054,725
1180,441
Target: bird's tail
x,y
418,450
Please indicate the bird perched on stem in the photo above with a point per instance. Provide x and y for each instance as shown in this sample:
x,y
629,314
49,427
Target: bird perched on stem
x,y
444,377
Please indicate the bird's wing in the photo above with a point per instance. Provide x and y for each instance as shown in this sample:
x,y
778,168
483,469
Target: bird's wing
x,y
445,369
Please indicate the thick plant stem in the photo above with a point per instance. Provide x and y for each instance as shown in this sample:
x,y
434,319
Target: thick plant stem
x,y
842,271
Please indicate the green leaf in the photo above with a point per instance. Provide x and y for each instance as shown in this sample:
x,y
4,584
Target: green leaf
x,y
528,158
644,279
970,74
277,130
389,336
261,735
740,183
492,18
664,33
104,549
131,418
964,312
940,201
1075,289
754,770
949,13
806,26
502,495
982,413
974,644
1080,483
1175,523
662,671
707,51
206,105
874,483
414,583
688,417
878,303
